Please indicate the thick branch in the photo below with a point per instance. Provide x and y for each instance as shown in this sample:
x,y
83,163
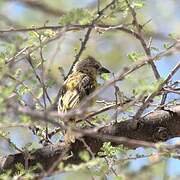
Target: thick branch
x,y
158,126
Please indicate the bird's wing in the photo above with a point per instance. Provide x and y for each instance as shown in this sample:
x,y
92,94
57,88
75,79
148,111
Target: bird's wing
x,y
76,87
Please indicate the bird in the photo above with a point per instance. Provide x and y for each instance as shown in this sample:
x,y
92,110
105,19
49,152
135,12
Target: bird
x,y
80,84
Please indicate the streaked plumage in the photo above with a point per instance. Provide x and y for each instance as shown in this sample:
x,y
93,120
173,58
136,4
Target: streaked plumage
x,y
80,83
75,88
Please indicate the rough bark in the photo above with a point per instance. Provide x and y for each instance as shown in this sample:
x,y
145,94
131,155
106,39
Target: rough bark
x,y
160,125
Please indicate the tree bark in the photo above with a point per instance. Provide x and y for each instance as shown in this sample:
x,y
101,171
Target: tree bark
x,y
160,125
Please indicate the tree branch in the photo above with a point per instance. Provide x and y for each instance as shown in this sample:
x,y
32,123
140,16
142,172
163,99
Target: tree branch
x,y
158,126
86,37
142,40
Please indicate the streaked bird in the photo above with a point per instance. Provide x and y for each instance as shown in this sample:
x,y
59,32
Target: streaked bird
x,y
80,83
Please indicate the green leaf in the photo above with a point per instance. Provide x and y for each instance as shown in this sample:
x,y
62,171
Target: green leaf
x,y
108,150
2,65
134,56
17,72
172,35
84,155
6,91
80,16
105,76
22,90
166,45
138,5
154,48
119,178
3,134
20,167
49,33
39,93
50,83
145,86
9,50
34,81
25,119
33,38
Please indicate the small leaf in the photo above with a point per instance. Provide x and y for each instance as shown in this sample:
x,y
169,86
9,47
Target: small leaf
x,y
105,76
119,178
22,90
25,119
166,45
84,155
49,33
39,93
80,16
33,38
108,150
17,72
2,65
138,5
134,56
50,83
172,35
154,48
6,91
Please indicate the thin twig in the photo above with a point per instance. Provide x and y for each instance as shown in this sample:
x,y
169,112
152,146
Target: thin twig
x,y
45,94
126,71
86,37
83,46
38,77
11,143
172,91
163,100
87,147
156,92
116,89
36,116
33,48
142,40
22,83
118,77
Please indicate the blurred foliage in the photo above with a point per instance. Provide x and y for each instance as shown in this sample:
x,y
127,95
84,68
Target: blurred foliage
x,y
19,83
79,16
108,150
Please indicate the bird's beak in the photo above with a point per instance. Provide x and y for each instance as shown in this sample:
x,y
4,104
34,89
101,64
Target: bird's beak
x,y
103,70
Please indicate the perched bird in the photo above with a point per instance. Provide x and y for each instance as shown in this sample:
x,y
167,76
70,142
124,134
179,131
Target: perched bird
x,y
80,83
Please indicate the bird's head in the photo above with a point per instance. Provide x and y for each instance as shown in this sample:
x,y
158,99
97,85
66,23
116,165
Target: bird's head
x,y
90,66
